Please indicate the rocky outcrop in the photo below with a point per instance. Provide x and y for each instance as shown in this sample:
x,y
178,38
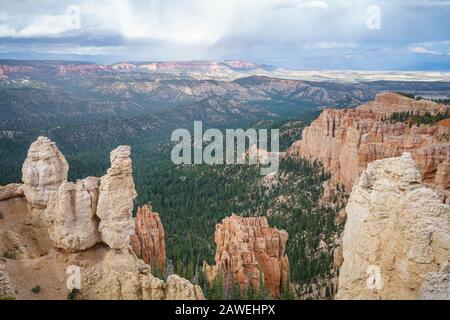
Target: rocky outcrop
x,y
11,245
105,274
148,242
10,191
89,223
261,156
247,248
115,202
396,242
175,288
345,141
43,171
71,214
436,285
120,275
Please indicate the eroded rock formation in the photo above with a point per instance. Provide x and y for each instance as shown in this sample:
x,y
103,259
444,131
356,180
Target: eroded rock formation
x,y
43,171
175,288
12,246
436,285
397,228
345,141
115,202
148,242
248,248
89,222
10,191
443,174
120,275
71,214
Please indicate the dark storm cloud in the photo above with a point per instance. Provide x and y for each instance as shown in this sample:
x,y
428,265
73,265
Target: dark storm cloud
x,y
291,33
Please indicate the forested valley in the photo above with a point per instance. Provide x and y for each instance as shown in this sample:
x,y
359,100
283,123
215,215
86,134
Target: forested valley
x,y
192,199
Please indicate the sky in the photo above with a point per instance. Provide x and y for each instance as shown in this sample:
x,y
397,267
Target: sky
x,y
292,34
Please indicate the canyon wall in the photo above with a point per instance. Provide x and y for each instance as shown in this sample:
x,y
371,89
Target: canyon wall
x,y
247,248
396,241
345,141
88,225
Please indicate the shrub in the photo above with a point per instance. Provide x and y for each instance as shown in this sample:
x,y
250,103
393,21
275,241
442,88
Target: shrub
x,y
8,255
72,294
36,289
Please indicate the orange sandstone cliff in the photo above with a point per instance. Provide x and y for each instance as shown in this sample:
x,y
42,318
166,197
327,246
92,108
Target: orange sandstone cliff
x,y
345,141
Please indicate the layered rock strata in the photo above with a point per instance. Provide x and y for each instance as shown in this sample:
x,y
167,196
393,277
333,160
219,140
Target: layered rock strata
x,y
148,242
345,141
247,249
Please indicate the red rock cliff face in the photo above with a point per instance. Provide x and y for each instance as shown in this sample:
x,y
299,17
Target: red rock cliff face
x,y
248,248
347,140
148,242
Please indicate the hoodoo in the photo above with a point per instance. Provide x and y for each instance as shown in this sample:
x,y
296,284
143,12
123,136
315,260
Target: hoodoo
x,y
88,224
247,249
148,242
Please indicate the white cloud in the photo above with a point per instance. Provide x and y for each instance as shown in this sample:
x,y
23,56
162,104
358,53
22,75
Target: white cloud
x,y
38,25
422,50
179,21
330,45
46,25
184,22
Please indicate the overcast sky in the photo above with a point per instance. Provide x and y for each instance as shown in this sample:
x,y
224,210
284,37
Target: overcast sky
x,y
300,34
